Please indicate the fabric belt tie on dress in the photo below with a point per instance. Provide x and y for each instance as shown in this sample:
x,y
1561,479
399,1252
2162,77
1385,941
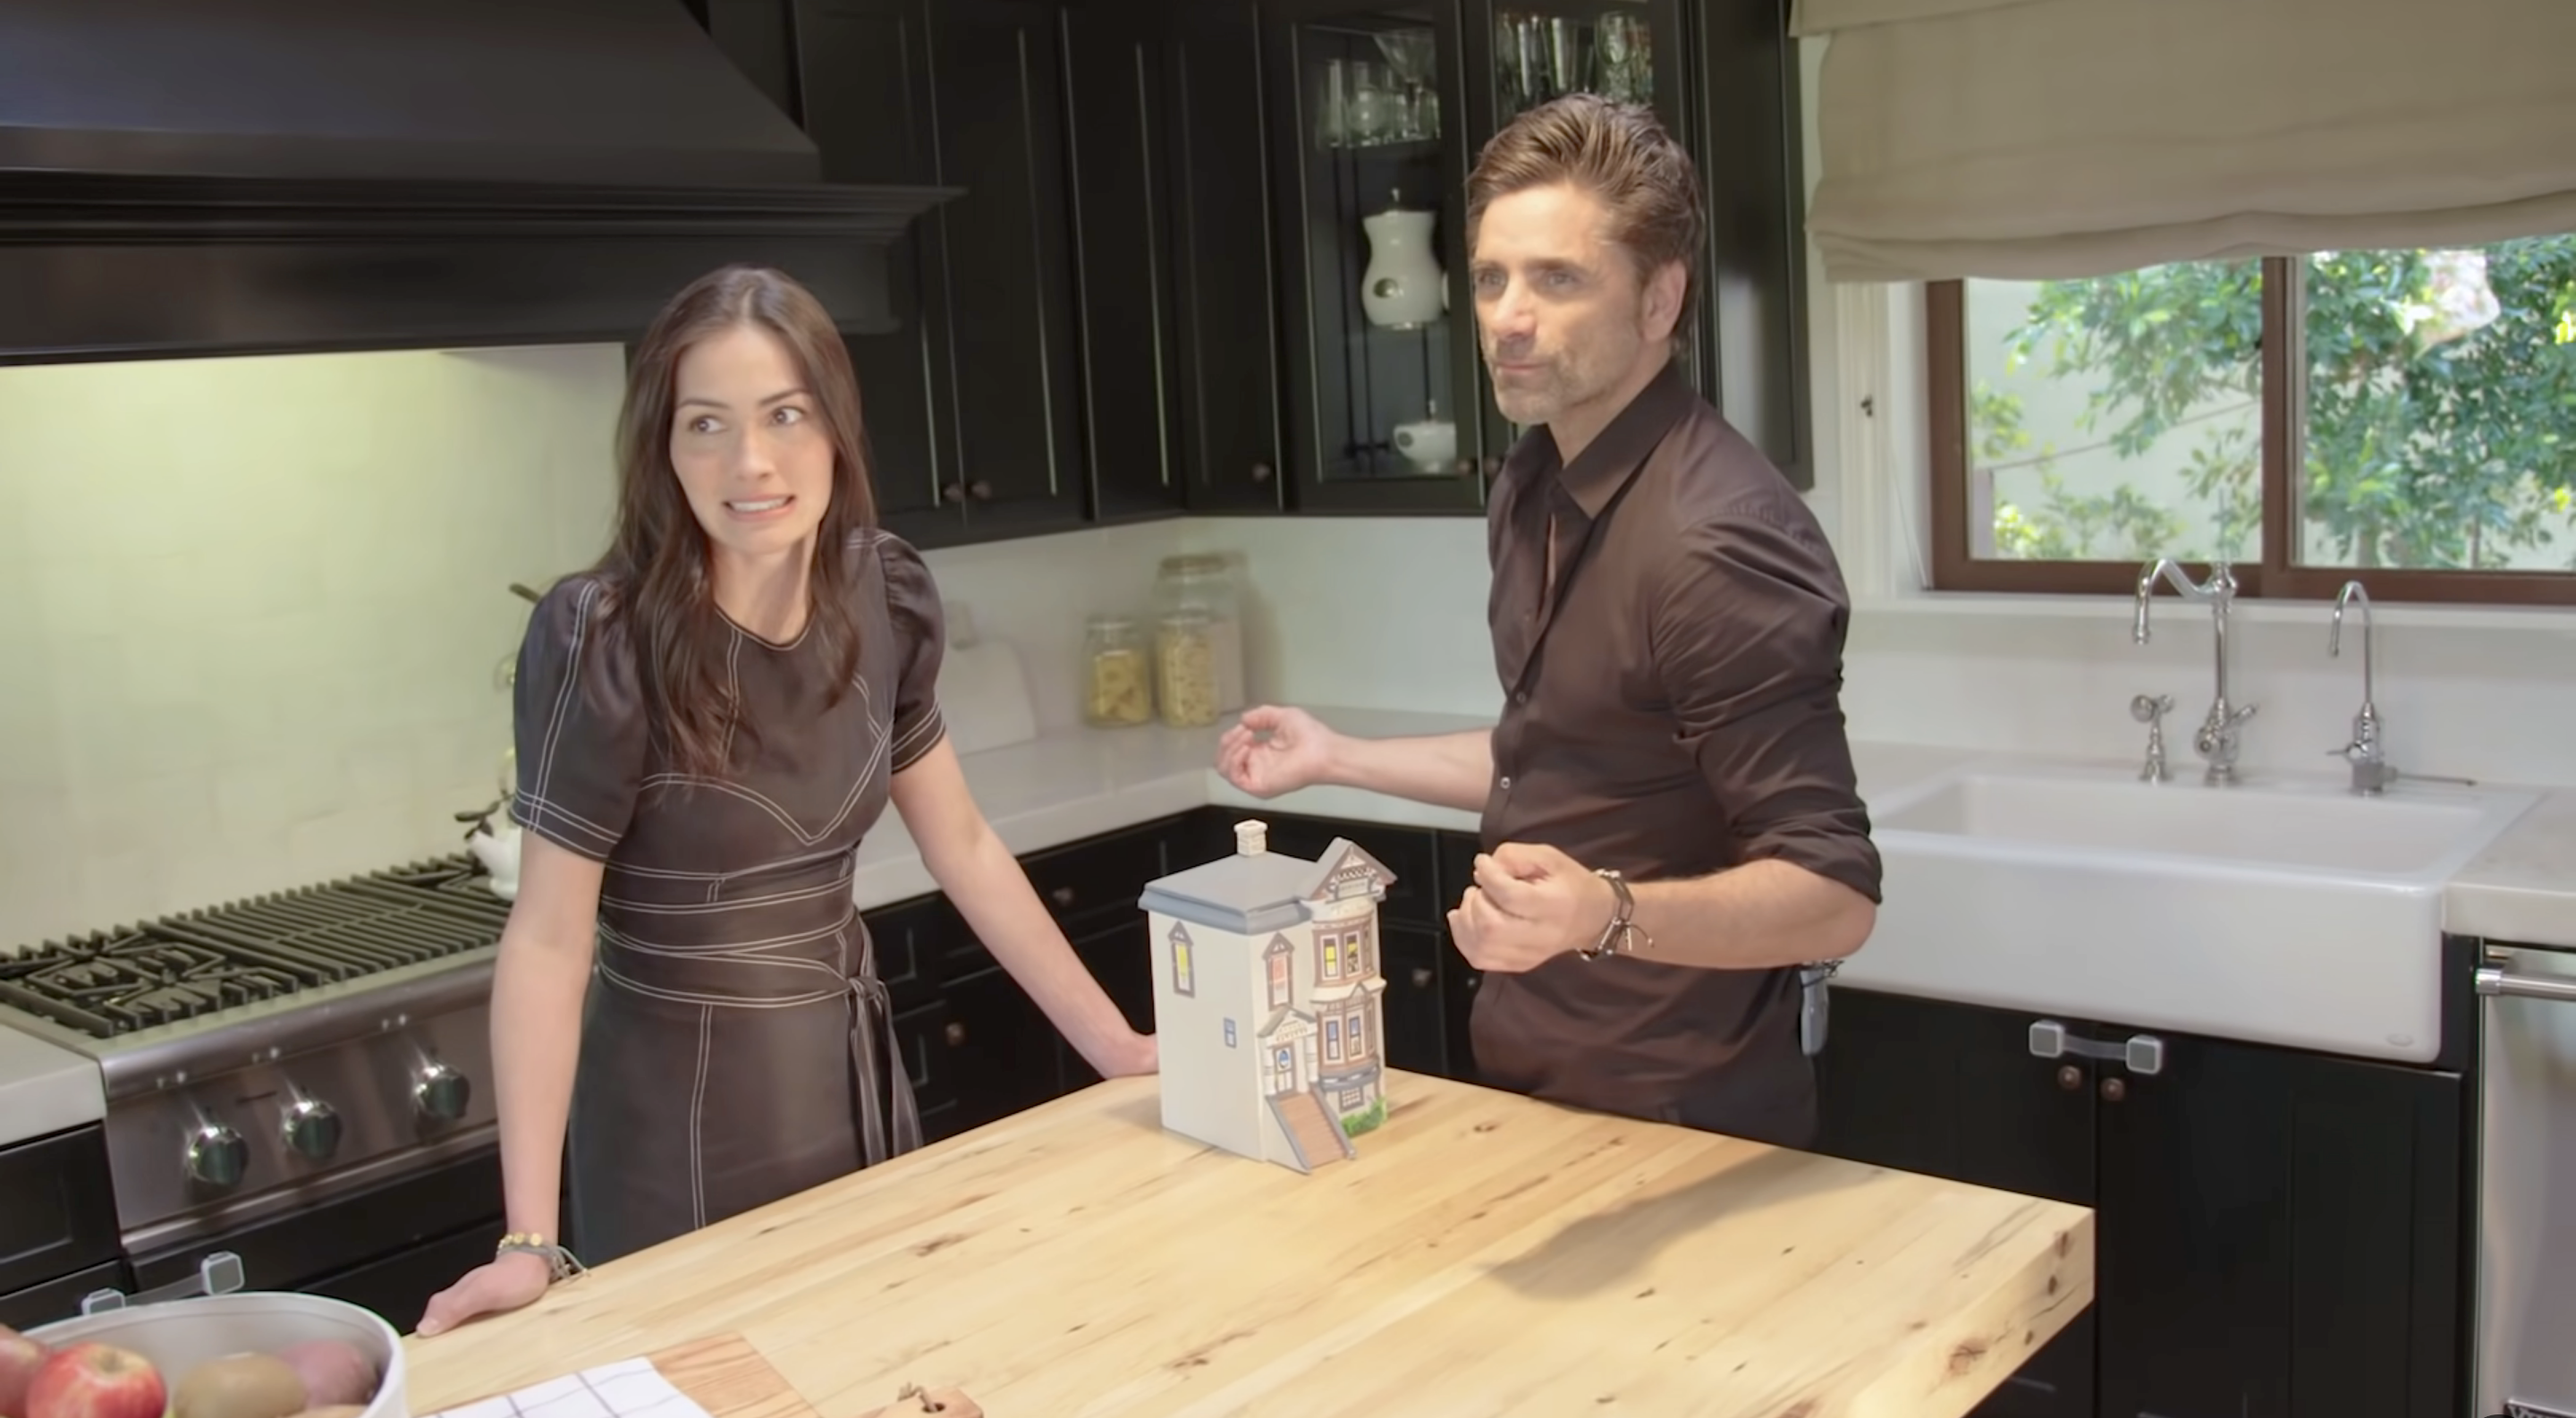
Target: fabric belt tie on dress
x,y
872,1006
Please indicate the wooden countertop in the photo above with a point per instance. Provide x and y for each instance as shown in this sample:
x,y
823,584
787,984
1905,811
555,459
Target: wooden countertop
x,y
1484,1254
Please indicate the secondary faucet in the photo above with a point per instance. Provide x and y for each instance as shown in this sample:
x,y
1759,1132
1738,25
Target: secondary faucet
x,y
2371,770
2220,734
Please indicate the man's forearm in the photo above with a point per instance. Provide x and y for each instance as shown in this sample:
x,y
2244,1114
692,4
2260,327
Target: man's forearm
x,y
1445,770
1762,914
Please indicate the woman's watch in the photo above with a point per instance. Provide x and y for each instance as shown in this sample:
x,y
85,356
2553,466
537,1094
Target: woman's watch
x,y
1621,933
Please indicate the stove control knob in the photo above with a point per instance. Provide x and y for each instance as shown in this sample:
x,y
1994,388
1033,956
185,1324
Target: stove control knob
x,y
441,1092
311,1128
217,1156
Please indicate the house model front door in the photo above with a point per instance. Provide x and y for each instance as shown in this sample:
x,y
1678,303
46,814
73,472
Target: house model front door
x,y
1283,1070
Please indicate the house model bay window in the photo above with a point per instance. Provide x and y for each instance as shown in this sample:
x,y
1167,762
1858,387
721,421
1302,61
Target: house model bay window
x,y
1267,1000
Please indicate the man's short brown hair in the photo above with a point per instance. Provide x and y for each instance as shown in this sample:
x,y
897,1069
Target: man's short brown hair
x,y
1622,155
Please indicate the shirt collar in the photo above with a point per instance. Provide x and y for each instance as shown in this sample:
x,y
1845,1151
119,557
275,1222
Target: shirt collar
x,y
1613,456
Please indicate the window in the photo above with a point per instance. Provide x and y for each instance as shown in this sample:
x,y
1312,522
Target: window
x,y
1332,945
1355,1034
1184,979
2399,417
1275,955
1332,1039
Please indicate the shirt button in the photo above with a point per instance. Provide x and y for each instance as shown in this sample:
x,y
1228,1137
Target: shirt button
x,y
1507,782
1520,696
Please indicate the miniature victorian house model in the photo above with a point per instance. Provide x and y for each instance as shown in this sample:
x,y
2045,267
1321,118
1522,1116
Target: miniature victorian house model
x,y
1266,1000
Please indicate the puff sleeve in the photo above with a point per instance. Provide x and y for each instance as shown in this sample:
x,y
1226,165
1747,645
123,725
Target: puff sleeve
x,y
578,719
921,641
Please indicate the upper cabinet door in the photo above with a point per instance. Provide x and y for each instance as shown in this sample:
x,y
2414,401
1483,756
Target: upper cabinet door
x,y
1226,267
1369,162
1118,134
1749,138
862,90
1006,268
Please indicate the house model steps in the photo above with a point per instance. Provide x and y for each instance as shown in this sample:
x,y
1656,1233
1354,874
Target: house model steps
x,y
1267,1007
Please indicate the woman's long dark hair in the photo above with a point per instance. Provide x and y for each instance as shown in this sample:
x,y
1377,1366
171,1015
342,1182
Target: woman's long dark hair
x,y
659,563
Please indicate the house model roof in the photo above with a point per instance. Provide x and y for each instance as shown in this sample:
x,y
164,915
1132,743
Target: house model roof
x,y
1253,891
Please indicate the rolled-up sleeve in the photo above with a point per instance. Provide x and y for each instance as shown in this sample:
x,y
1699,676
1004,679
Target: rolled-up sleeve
x,y
1747,630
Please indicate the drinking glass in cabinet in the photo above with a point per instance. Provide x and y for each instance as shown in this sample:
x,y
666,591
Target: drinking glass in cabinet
x,y
1538,57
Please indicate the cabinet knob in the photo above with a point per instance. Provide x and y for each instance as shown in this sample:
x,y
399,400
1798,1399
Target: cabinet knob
x,y
956,1033
1062,896
1421,978
2070,1078
2114,1089
1261,472
951,492
980,490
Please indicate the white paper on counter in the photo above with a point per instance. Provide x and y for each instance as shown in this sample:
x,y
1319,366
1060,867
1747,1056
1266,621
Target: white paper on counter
x,y
629,1388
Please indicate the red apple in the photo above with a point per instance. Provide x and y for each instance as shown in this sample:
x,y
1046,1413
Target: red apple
x,y
19,1357
88,1379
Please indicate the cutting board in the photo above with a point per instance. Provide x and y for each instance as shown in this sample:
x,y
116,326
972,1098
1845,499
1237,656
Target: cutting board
x,y
729,1379
983,691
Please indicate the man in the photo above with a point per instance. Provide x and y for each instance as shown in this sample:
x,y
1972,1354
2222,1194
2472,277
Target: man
x,y
1668,624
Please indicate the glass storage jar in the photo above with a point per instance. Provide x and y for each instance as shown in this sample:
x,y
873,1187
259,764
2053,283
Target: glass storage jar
x,y
1203,587
1117,673
1185,682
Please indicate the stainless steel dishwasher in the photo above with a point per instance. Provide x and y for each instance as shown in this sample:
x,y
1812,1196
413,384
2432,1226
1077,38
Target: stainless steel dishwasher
x,y
2526,1185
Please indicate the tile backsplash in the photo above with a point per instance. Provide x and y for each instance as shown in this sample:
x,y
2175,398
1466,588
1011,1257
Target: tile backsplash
x,y
258,610
258,606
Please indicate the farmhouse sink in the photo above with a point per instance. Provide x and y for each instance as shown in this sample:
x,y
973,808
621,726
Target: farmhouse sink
x,y
2283,910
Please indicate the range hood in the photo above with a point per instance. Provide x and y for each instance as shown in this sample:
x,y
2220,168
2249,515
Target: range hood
x,y
190,177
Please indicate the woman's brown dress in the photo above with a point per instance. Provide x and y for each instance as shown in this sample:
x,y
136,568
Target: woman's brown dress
x,y
736,1046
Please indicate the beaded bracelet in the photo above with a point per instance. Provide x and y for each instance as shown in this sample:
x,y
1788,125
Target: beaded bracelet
x,y
561,1264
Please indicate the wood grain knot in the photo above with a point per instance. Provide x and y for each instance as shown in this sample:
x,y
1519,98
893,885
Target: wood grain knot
x,y
1649,1290
1799,1409
1965,1357
1487,1127
2065,1242
936,1244
2052,1285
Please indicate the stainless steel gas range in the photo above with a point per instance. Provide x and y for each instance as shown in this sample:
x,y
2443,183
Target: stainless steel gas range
x,y
301,1079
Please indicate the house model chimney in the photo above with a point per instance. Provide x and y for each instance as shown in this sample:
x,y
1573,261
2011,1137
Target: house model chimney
x,y
1251,838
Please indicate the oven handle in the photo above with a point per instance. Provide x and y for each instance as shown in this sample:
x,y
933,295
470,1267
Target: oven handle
x,y
2495,980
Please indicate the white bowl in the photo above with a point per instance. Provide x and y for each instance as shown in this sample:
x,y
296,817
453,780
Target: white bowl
x,y
178,1335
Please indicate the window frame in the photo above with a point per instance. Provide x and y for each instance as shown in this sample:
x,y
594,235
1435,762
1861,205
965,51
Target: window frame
x,y
2275,576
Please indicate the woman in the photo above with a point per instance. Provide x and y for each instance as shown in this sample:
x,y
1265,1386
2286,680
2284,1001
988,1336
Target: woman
x,y
707,724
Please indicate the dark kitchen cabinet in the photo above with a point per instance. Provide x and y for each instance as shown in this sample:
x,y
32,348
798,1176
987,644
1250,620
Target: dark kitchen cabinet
x,y
1119,137
1368,170
863,90
1746,130
1225,260
2277,1232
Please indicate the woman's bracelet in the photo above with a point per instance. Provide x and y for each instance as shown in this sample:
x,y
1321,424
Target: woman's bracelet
x,y
560,1263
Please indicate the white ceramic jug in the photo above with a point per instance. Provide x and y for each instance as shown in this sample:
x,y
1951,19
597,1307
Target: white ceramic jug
x,y
1402,288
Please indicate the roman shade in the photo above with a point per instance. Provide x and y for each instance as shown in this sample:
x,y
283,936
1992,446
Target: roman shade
x,y
2033,139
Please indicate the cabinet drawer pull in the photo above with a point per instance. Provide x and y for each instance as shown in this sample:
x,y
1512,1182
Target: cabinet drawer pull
x,y
956,1033
1062,896
2141,1053
2069,1077
1421,978
2113,1090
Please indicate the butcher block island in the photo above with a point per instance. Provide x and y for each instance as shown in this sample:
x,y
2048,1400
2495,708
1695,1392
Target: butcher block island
x,y
1482,1254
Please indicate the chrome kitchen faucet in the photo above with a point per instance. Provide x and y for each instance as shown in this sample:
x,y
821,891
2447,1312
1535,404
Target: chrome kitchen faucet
x,y
2371,770
2219,735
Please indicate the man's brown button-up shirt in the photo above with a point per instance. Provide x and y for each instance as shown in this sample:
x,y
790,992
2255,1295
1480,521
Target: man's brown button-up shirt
x,y
1668,624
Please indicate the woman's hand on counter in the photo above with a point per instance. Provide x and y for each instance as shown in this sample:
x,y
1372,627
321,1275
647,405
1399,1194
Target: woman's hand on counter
x,y
505,1283
1137,1053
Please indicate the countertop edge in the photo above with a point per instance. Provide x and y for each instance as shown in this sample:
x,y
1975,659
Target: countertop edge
x,y
1068,785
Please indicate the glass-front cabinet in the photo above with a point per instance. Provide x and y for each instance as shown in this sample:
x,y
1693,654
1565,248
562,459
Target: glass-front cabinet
x,y
1522,53
1370,169
1377,113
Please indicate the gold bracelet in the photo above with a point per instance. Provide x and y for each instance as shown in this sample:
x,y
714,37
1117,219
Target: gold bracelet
x,y
561,1264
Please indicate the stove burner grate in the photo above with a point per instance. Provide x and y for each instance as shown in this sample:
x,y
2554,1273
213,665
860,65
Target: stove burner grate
x,y
180,967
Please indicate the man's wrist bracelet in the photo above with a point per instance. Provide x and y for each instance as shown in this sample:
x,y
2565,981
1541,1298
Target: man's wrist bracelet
x,y
1621,933
561,1264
